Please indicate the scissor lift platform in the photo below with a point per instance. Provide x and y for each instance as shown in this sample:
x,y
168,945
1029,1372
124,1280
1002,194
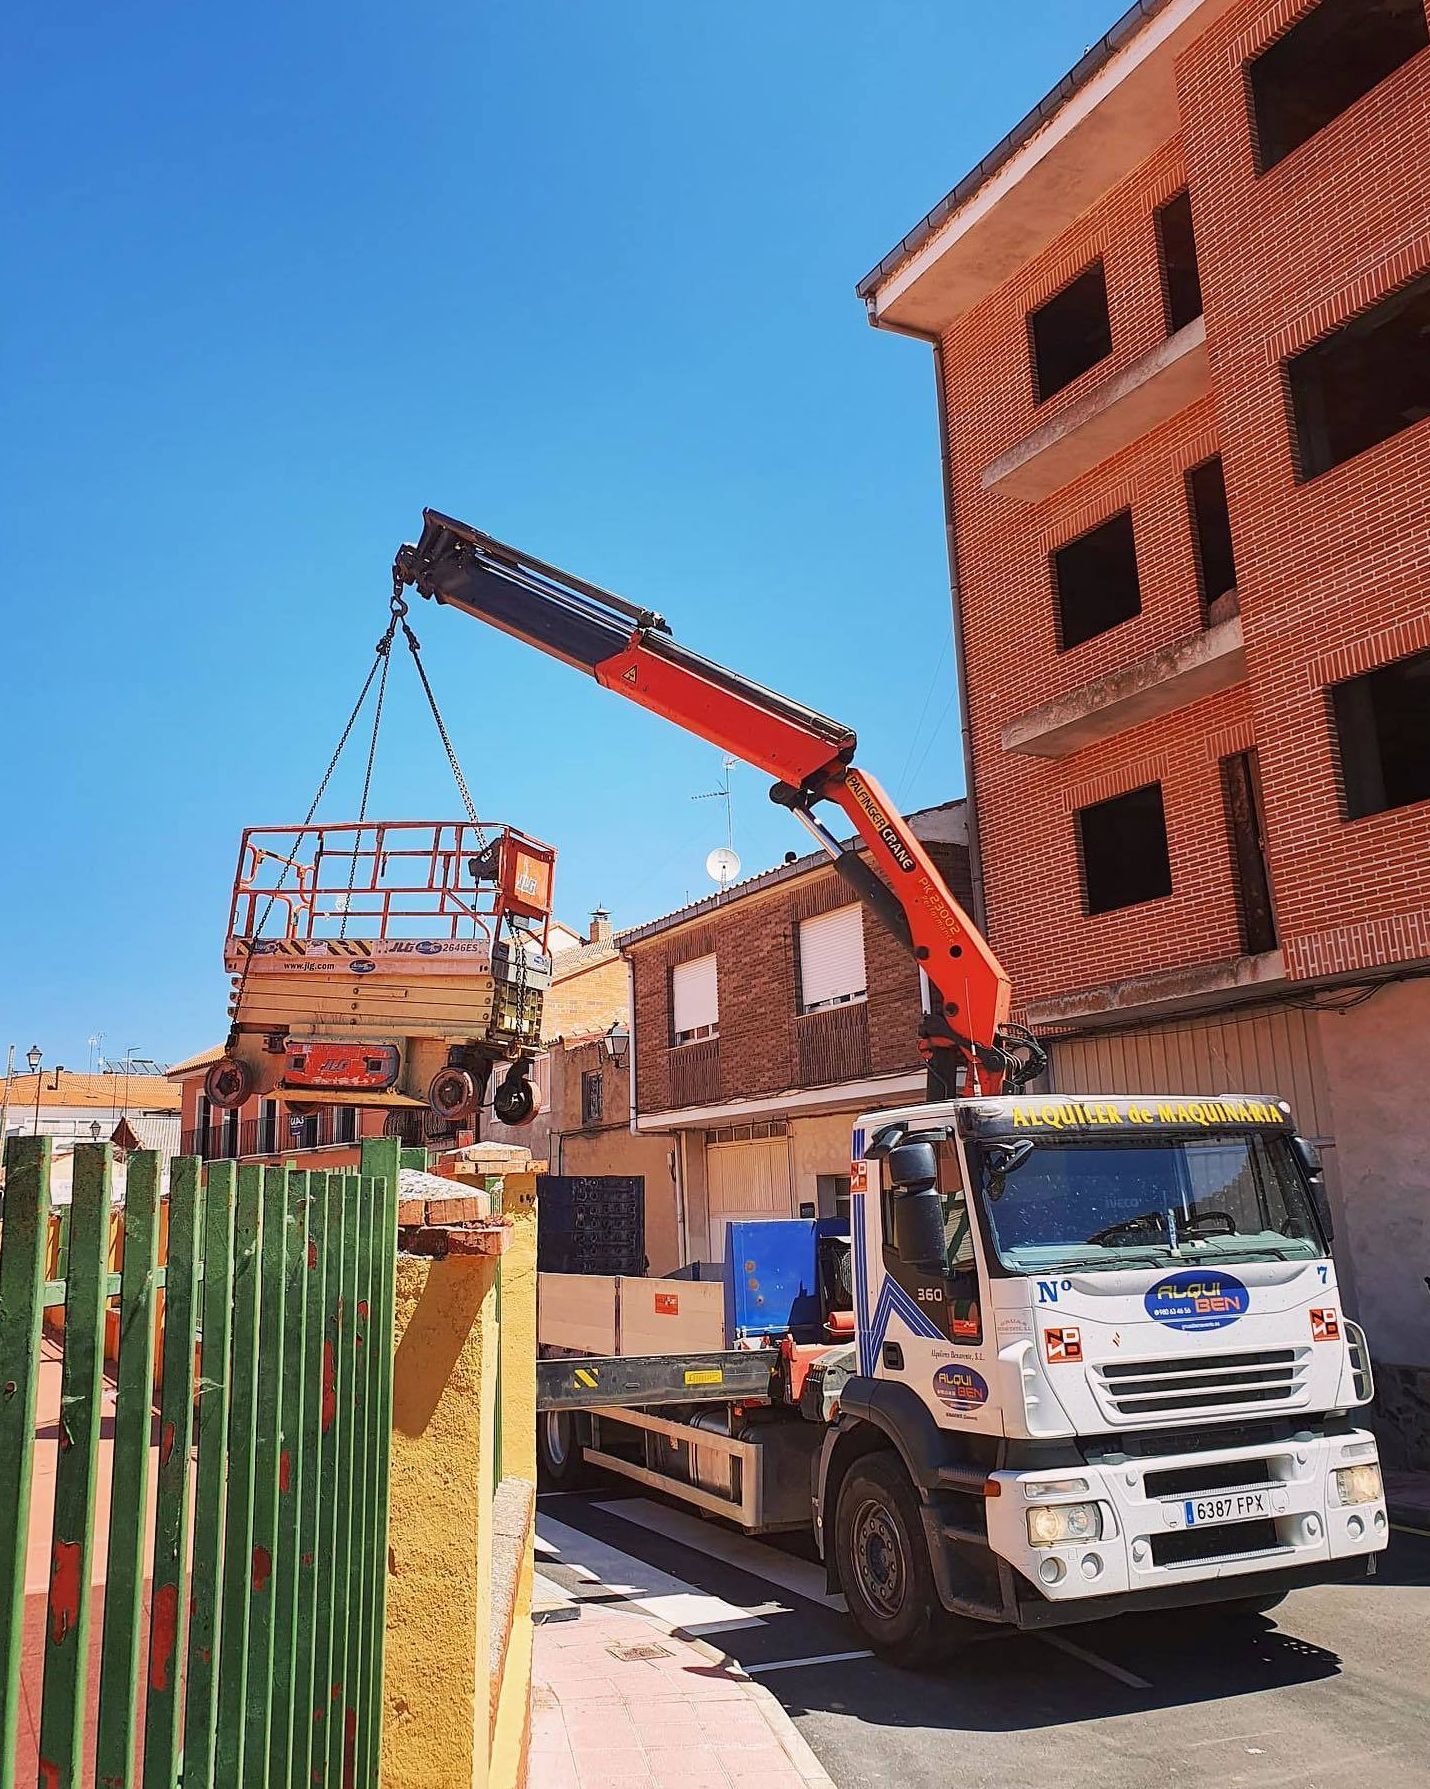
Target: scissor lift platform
x,y
377,957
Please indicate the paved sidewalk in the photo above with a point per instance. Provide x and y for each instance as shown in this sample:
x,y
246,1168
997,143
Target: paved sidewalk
x,y
620,1702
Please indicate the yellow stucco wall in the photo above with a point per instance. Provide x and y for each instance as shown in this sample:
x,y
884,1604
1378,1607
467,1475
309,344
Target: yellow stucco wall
x,y
517,1201
435,1689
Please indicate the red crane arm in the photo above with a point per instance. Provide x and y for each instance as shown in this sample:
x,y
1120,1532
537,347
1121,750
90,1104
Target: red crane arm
x,y
630,650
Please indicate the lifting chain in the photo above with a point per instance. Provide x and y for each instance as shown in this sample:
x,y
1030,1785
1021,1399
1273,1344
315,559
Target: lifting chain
x,y
376,671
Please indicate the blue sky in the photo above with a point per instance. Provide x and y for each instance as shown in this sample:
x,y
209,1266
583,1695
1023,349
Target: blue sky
x,y
580,274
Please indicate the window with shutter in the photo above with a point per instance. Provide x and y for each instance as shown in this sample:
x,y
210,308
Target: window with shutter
x,y
831,959
694,1000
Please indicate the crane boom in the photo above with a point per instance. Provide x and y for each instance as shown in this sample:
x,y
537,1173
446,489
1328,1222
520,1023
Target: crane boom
x,y
630,650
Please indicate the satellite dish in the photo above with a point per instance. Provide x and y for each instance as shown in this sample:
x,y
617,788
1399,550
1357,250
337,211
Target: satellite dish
x,y
722,865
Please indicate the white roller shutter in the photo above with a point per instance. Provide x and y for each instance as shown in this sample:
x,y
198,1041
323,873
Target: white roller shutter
x,y
694,999
831,958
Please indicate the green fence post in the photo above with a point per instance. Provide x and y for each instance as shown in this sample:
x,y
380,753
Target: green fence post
x,y
382,1160
66,1691
205,1600
238,1507
310,1488
291,1469
364,1462
168,1603
129,1485
24,1234
272,1279
338,1738
330,1424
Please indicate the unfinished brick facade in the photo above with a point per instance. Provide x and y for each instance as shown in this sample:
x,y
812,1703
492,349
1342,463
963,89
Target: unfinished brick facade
x,y
1287,939
1331,574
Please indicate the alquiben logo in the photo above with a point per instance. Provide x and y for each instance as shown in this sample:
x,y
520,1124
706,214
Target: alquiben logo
x,y
1197,1300
960,1387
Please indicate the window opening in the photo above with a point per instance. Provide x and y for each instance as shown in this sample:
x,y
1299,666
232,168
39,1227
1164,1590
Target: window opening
x,y
1070,333
694,1000
1246,826
1382,723
1177,252
1095,581
1211,537
1365,382
831,959
1123,847
1331,57
591,1096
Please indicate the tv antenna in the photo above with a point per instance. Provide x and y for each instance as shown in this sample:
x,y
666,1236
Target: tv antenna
x,y
722,865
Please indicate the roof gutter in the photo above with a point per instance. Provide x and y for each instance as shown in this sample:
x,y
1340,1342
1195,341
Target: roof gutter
x,y
1002,153
950,533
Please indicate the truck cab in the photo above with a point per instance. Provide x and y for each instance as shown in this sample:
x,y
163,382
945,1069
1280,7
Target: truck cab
x,y
1100,1364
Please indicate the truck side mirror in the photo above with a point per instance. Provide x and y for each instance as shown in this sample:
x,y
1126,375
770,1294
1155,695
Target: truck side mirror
x,y
1314,1169
917,1211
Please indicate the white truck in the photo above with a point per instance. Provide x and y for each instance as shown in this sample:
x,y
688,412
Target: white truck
x,y
1076,1355
1098,1363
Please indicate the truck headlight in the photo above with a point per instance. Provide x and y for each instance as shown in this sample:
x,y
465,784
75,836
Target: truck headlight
x,y
1051,1524
1359,1484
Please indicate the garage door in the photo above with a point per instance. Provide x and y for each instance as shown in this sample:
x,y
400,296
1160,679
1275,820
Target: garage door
x,y
746,1180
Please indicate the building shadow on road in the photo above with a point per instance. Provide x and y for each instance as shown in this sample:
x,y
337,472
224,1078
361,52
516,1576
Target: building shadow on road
x,y
1125,1666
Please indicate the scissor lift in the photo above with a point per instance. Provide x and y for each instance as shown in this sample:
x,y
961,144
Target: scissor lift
x,y
387,962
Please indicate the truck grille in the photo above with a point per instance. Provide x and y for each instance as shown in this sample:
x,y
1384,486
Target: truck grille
x,y
1204,1382
1199,1546
1225,1475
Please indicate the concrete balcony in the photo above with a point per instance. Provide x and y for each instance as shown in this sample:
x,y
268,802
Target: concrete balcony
x,y
1166,679
1116,412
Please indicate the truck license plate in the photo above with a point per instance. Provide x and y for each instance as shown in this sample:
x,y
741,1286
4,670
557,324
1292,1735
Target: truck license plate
x,y
1236,1506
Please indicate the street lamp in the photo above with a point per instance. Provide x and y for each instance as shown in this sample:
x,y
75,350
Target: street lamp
x,y
35,1056
617,1043
95,1127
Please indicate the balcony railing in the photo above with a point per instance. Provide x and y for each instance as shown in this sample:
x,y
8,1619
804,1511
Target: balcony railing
x,y
695,1072
230,1140
833,1044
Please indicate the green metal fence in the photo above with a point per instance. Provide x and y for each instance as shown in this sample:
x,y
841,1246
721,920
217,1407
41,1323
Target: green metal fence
x,y
244,1647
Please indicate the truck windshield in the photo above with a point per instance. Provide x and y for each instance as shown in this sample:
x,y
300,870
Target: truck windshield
x,y
1073,1204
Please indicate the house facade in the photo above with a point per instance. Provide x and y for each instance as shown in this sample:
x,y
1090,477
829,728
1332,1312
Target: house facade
x,y
135,1111
764,1020
1181,331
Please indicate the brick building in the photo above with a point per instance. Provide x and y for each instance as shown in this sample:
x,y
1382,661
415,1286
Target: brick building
x,y
1181,329
763,1021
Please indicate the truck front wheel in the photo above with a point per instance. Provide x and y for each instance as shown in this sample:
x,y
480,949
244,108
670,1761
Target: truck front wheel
x,y
883,1563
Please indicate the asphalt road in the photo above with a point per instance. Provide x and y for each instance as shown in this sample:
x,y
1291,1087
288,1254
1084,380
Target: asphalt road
x,y
1331,1690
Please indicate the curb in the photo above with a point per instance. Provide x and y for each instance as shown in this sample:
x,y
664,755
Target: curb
x,y
795,1745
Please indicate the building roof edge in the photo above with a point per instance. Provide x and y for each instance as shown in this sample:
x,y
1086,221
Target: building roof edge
x,y
1052,102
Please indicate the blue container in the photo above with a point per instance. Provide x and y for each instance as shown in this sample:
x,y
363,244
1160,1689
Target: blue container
x,y
771,1277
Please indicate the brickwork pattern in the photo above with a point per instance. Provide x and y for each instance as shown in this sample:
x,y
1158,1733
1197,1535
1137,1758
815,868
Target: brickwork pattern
x,y
1333,574
754,941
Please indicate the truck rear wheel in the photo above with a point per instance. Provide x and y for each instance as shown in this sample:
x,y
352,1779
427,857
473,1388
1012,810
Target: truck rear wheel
x,y
561,1465
883,1563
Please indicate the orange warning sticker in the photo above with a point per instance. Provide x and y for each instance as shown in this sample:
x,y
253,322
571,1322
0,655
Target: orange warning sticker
x,y
667,1304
